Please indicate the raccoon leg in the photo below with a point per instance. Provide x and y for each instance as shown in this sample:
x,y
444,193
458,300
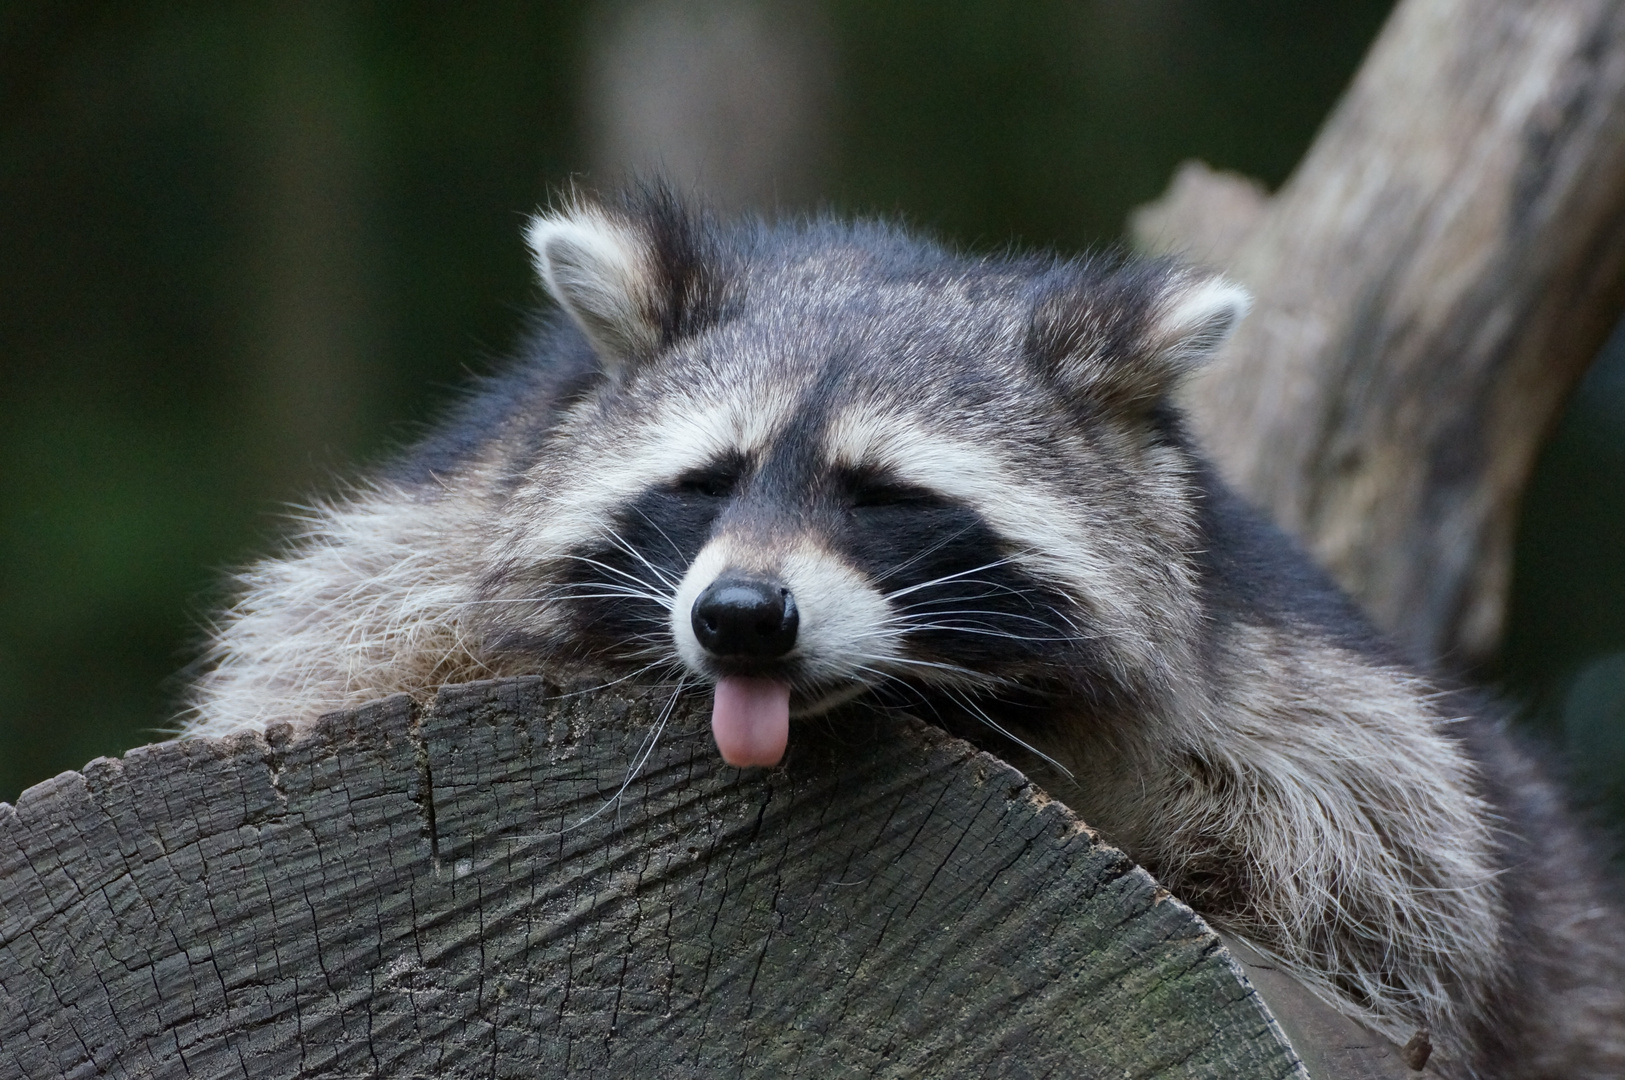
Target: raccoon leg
x,y
375,598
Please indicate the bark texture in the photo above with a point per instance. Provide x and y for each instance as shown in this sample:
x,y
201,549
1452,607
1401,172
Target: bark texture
x,y
1431,283
456,892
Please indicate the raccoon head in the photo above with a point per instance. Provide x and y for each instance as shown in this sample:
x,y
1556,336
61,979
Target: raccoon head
x,y
828,460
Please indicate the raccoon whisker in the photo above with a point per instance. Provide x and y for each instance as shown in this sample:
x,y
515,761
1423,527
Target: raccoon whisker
x,y
665,578
957,576
660,629
988,589
654,643
653,524
991,591
963,577
905,623
652,640
892,680
633,578
645,614
921,697
982,715
651,657
921,700
871,669
983,630
1070,621
941,543
499,600
622,594
907,619
928,607
635,585
992,633
894,632
650,653
967,628
663,662
977,678
617,571
612,591
645,749
887,677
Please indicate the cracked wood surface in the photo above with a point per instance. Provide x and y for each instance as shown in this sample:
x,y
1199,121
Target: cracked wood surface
x,y
1431,283
450,892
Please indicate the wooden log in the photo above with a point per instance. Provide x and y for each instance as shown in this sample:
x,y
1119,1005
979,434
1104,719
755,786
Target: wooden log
x,y
457,891
1431,283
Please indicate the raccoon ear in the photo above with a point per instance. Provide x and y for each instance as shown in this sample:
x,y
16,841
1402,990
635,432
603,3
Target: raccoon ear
x,y
1194,320
604,273
1125,339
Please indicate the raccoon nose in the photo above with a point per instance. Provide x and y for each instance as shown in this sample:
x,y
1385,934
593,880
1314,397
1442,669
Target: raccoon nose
x,y
746,617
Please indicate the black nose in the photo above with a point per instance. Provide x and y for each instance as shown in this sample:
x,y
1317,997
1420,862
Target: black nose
x,y
746,617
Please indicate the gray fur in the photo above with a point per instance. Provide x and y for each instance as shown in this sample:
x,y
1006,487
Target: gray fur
x,y
1217,708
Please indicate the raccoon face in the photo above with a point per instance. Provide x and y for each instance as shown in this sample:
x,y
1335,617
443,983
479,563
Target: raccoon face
x,y
830,462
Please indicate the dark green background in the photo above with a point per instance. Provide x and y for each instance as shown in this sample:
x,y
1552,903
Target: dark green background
x,y
192,193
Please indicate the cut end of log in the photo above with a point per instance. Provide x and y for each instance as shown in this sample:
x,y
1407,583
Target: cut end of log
x,y
494,885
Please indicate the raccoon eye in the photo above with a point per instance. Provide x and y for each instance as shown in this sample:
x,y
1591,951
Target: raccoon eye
x,y
868,491
710,483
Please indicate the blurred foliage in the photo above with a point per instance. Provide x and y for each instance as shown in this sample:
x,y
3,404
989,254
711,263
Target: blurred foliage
x,y
245,246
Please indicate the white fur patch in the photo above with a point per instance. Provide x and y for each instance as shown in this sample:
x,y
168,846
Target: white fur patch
x,y
843,619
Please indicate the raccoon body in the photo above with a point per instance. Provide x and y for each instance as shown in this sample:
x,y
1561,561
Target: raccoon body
x,y
804,466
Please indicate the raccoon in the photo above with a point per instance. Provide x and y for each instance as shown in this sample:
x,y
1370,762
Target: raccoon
x,y
822,465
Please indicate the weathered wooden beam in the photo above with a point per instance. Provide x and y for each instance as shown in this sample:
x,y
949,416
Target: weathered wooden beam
x,y
1432,282
458,891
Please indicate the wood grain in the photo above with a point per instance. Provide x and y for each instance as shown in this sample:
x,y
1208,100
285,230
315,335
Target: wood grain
x,y
456,891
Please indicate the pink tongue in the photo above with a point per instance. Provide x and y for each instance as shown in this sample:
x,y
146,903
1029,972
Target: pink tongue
x,y
751,720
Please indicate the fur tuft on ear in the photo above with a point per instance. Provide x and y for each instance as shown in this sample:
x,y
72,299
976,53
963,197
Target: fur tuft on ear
x,y
1120,336
604,274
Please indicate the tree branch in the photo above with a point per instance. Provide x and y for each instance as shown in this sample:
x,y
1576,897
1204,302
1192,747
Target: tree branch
x,y
1431,283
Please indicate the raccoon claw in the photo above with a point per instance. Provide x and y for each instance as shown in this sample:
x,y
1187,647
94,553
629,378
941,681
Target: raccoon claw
x,y
750,720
